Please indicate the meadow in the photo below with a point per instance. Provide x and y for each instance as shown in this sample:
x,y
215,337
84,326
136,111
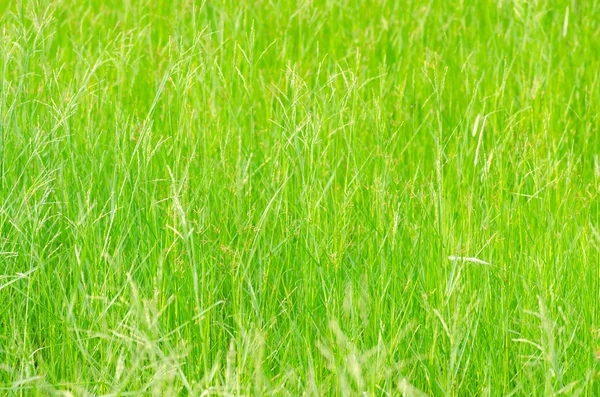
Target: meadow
x,y
299,198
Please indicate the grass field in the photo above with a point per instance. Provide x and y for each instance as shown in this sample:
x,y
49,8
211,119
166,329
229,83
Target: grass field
x,y
299,198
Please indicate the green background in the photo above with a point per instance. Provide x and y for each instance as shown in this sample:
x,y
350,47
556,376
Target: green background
x,y
261,197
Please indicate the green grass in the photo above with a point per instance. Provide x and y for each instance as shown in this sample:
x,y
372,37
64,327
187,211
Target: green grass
x,y
259,198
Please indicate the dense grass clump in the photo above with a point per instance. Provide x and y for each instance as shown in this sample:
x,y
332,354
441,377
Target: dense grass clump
x,y
319,198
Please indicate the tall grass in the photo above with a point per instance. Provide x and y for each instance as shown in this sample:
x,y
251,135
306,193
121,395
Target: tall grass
x,y
328,197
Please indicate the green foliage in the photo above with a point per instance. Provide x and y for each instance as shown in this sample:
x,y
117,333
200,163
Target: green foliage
x,y
328,197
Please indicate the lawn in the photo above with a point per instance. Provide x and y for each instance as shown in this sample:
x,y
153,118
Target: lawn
x,y
299,198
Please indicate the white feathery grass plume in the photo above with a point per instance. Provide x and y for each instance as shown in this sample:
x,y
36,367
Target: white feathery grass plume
x,y
476,125
480,140
566,23
467,259
17,277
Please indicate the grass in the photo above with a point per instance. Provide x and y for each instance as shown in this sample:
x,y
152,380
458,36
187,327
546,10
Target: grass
x,y
328,197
